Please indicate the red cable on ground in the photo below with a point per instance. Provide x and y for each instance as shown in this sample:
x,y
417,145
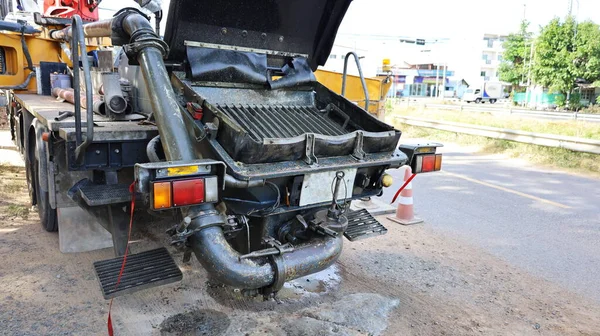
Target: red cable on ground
x,y
402,188
109,322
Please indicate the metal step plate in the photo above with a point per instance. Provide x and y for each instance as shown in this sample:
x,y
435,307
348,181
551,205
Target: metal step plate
x,y
362,225
102,194
143,270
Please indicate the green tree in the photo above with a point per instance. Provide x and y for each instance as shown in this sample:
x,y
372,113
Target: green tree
x,y
515,60
553,67
567,51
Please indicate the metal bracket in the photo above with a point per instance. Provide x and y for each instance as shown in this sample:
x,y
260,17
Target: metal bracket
x,y
310,157
359,153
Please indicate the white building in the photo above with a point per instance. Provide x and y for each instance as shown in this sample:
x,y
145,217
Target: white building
x,y
491,57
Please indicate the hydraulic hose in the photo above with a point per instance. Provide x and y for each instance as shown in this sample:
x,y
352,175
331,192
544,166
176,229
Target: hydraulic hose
x,y
23,29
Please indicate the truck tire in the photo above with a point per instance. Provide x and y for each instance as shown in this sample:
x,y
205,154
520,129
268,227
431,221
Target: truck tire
x,y
492,101
478,101
48,217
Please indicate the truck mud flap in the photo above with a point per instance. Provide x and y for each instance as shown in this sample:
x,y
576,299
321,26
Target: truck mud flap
x,y
142,270
361,225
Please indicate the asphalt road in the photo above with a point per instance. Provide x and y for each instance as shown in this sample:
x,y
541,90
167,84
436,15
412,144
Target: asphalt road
x,y
544,221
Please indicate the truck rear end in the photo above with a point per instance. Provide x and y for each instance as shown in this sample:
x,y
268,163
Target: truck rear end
x,y
228,133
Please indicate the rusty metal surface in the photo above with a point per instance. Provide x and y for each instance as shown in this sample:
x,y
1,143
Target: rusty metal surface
x,y
224,264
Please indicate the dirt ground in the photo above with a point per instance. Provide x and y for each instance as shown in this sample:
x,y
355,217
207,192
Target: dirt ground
x,y
411,281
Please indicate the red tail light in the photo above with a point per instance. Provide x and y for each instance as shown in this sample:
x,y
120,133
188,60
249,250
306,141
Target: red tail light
x,y
177,193
428,163
188,192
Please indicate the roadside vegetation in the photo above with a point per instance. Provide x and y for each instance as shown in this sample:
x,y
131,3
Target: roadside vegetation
x,y
577,129
13,201
552,157
563,58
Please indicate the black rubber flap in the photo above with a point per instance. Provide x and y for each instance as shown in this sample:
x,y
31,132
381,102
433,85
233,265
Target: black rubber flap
x,y
216,65
293,26
142,270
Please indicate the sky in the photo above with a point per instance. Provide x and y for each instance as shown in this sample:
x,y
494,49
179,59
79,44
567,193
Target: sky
x,y
372,27
442,18
454,19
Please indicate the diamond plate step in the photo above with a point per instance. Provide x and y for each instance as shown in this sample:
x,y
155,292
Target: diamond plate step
x,y
142,270
103,194
361,225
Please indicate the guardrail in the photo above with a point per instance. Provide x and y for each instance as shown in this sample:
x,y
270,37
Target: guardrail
x,y
548,140
516,111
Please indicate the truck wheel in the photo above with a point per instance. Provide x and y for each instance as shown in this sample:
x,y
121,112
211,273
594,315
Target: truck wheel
x,y
48,217
478,101
492,101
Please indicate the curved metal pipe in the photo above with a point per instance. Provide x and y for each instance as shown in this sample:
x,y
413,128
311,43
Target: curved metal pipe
x,y
176,142
223,262
93,29
78,48
113,96
360,73
151,151
232,182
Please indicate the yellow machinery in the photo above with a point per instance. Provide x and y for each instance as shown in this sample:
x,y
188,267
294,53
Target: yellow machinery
x,y
377,87
14,67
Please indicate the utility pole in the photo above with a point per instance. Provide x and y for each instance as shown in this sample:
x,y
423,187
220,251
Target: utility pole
x,y
527,95
570,10
444,81
437,76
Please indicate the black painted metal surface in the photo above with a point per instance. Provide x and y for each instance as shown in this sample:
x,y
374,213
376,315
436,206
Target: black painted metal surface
x,y
143,270
361,225
263,122
305,27
103,194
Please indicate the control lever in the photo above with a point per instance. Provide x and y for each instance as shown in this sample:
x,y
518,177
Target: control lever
x,y
316,227
323,230
276,249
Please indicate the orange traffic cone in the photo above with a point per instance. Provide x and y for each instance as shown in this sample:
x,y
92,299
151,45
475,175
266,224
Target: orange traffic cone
x,y
405,213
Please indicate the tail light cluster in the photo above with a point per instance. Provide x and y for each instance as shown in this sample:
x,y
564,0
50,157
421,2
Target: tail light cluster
x,y
428,163
423,158
183,192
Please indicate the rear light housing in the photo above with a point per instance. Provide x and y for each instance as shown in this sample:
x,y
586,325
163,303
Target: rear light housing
x,y
423,157
427,163
184,192
171,185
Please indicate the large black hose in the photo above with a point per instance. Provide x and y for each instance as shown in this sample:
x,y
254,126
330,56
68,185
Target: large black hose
x,y
23,28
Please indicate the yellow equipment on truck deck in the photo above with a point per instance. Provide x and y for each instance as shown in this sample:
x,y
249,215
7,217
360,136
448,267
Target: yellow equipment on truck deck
x,y
377,87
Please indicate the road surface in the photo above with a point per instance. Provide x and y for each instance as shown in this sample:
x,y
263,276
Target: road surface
x,y
505,250
542,220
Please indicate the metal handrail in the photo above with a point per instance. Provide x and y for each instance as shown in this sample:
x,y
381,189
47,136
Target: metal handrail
x,y
78,46
360,73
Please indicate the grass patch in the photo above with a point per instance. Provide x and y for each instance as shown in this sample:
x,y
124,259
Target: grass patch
x,y
16,210
555,157
578,129
11,188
